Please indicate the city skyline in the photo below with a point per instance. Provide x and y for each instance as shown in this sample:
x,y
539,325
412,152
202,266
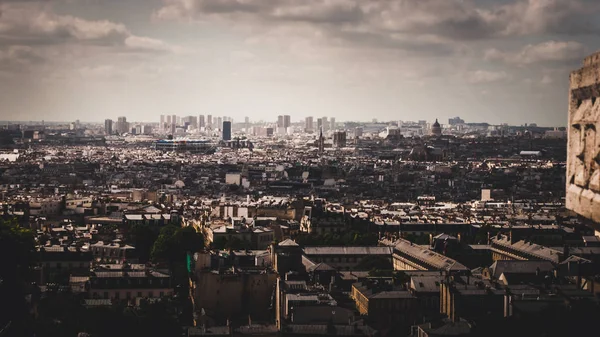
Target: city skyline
x,y
499,61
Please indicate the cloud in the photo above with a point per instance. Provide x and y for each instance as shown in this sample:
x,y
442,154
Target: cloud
x,y
450,19
545,52
483,76
32,34
34,24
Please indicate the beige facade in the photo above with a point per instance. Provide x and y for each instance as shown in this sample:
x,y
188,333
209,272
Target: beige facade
x,y
583,170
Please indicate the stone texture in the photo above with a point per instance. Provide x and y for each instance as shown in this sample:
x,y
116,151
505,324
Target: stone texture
x,y
583,155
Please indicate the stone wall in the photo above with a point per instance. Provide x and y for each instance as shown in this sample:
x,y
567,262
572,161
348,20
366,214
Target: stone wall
x,y
583,156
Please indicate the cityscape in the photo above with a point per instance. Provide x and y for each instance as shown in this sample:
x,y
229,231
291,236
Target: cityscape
x,y
367,169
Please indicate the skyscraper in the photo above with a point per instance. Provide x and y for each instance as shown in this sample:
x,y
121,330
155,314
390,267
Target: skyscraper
x,y
201,122
320,124
308,124
108,126
227,130
325,124
122,125
246,123
332,123
219,123
280,121
287,121
162,122
209,120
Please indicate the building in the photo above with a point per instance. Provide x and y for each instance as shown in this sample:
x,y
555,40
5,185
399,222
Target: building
x,y
122,125
185,145
583,174
345,258
409,256
455,121
227,130
56,263
308,124
209,121
358,132
385,305
339,139
114,252
332,123
287,121
230,292
127,282
220,123
108,126
319,124
201,121
280,121
436,129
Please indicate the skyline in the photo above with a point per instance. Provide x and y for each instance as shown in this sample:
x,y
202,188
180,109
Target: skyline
x,y
501,61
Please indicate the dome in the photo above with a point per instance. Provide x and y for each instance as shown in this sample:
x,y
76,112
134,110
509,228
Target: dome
x,y
436,124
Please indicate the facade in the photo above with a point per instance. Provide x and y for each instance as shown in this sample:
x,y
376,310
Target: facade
x,y
339,139
308,124
227,130
229,294
583,171
385,304
58,262
108,126
122,125
112,252
127,282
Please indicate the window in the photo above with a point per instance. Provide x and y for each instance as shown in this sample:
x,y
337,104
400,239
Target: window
x,y
106,295
117,295
150,294
128,295
161,294
139,294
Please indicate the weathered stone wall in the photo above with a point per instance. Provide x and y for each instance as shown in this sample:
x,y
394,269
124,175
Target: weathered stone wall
x,y
583,156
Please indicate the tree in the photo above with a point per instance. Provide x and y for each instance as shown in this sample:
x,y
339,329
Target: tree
x,y
143,237
17,255
174,242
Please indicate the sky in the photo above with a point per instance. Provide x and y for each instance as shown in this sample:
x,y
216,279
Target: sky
x,y
496,61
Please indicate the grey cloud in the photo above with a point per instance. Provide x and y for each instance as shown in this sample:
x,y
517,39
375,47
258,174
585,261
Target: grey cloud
x,y
451,19
39,26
